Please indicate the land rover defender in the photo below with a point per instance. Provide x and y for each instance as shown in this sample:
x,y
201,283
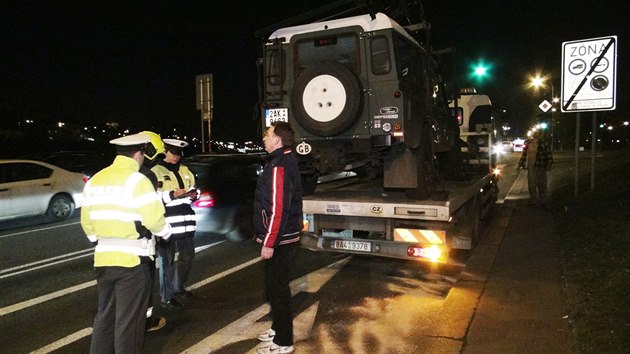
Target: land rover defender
x,y
363,95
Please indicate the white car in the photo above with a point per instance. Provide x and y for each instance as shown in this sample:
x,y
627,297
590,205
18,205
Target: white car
x,y
29,188
518,145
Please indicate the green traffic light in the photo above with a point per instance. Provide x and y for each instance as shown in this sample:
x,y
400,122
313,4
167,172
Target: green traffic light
x,y
480,71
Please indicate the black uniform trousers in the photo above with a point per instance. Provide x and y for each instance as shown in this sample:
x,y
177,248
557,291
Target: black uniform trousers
x,y
173,275
277,270
123,296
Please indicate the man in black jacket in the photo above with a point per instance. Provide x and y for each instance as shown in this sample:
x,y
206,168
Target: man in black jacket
x,y
277,223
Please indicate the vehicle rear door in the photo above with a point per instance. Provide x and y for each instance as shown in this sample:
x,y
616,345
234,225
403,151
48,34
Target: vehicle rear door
x,y
30,187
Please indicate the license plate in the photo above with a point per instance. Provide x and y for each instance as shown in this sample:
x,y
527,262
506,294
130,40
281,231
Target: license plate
x,y
276,115
351,245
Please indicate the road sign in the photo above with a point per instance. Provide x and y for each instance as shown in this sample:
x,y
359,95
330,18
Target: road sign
x,y
205,95
544,106
589,74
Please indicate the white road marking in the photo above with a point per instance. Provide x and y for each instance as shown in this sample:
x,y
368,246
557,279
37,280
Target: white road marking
x,y
87,331
36,230
224,273
302,325
72,289
247,327
64,341
45,263
38,300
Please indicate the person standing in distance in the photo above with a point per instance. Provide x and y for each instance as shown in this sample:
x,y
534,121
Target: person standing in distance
x,y
277,226
537,160
120,205
176,185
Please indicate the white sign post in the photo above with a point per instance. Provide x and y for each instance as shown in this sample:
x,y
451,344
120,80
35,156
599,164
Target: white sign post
x,y
589,74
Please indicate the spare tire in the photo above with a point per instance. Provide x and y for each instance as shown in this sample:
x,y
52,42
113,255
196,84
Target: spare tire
x,y
326,99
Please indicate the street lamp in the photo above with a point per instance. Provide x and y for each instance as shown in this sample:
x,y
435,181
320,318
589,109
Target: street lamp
x,y
540,82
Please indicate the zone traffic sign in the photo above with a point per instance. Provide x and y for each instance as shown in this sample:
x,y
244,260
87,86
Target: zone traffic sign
x,y
589,74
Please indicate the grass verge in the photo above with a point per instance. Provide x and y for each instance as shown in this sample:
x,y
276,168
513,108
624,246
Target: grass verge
x,y
595,231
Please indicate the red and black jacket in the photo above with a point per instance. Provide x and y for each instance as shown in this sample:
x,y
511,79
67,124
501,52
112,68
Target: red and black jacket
x,y
278,200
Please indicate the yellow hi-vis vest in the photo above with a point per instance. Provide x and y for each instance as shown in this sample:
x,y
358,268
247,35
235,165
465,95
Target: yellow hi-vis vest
x,y
115,200
167,182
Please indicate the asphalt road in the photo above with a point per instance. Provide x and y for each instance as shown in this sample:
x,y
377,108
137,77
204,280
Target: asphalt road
x,y
342,304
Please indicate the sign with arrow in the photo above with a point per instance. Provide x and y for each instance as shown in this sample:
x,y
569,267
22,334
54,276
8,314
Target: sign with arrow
x,y
589,74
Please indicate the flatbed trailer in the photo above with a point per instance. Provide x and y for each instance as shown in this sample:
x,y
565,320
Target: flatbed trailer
x,y
351,215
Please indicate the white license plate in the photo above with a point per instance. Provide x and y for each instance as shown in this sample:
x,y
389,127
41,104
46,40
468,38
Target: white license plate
x,y
276,115
351,245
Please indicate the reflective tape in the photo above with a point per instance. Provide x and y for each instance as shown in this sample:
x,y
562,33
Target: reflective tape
x,y
181,218
140,247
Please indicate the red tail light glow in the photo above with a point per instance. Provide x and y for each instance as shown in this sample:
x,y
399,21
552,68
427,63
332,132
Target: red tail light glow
x,y
432,253
206,200
86,178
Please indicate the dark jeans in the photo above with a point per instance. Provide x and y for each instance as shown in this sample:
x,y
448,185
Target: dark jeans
x,y
537,184
173,275
123,296
279,294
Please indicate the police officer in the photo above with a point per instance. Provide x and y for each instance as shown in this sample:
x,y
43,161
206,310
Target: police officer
x,y
154,149
119,203
176,184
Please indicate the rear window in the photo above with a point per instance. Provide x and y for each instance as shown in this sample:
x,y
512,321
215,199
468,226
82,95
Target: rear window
x,y
380,55
340,48
21,171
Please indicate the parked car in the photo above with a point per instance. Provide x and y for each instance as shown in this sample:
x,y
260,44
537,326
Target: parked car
x,y
86,162
29,188
226,183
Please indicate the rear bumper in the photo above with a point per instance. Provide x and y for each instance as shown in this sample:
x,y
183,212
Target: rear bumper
x,y
378,248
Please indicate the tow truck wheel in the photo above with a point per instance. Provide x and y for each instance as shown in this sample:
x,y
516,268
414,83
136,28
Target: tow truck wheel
x,y
326,99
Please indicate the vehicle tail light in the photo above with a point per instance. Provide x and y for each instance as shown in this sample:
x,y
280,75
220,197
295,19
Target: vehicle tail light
x,y
432,253
86,178
206,200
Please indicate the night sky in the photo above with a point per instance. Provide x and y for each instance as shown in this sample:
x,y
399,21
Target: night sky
x,y
135,62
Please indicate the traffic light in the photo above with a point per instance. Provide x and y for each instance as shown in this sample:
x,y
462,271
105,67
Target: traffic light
x,y
480,71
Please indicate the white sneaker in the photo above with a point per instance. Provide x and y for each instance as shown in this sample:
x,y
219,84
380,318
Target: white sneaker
x,y
267,336
275,349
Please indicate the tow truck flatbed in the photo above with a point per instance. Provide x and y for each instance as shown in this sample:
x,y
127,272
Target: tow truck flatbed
x,y
351,215
355,197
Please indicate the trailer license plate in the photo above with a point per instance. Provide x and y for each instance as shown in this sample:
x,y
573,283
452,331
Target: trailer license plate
x,y
351,245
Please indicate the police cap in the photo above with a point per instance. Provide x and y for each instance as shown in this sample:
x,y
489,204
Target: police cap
x,y
175,146
134,142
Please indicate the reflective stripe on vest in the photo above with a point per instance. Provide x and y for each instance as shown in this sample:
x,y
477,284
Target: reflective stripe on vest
x,y
142,247
181,218
182,229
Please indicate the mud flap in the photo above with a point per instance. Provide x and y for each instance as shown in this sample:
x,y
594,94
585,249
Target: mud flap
x,y
401,171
